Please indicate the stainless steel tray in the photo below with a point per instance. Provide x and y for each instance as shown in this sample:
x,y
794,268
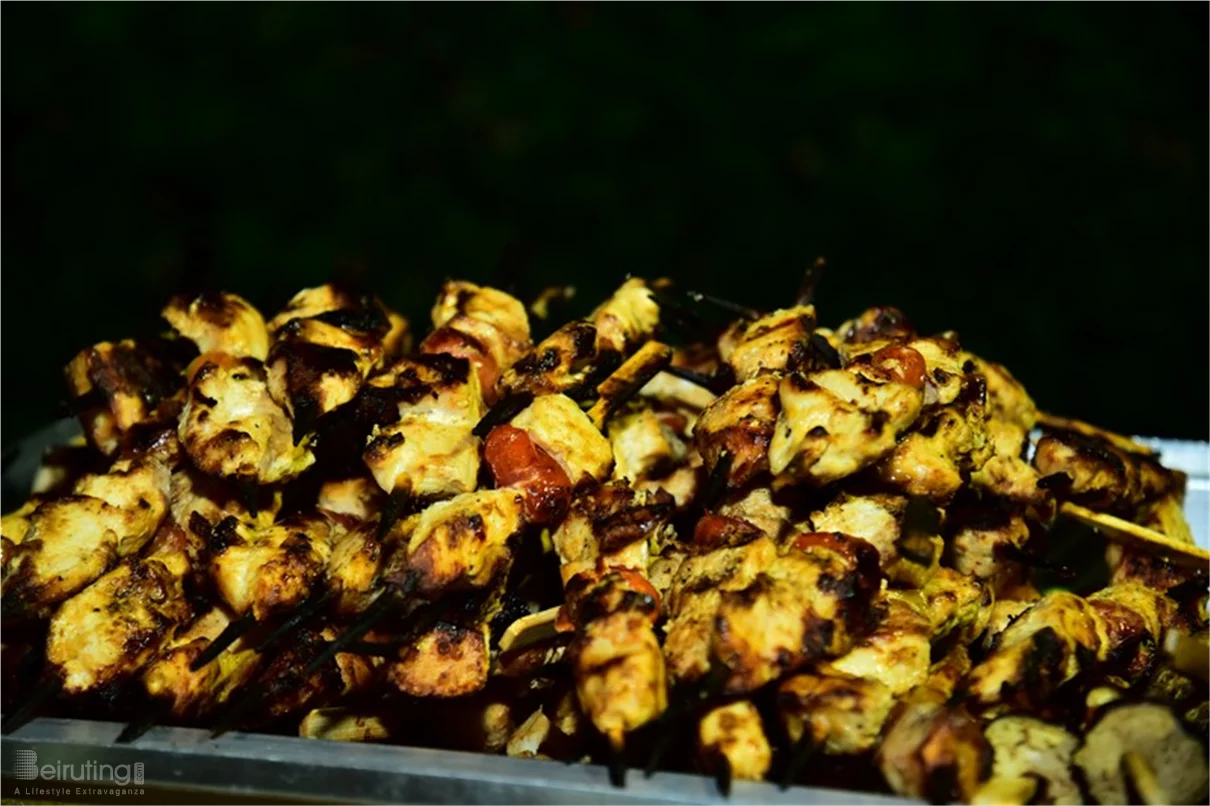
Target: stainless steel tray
x,y
292,769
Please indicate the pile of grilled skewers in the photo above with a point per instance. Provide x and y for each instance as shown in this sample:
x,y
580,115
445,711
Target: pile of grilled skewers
x,y
676,534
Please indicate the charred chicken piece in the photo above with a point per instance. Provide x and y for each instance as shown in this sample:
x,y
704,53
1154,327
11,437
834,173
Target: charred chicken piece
x,y
115,626
1030,750
487,327
220,322
71,541
232,428
778,342
1099,472
267,571
836,422
616,660
429,451
325,343
117,386
190,694
734,735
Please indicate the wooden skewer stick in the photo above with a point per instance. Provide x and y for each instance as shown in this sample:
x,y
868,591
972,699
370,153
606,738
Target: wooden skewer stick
x,y
531,629
1138,537
628,379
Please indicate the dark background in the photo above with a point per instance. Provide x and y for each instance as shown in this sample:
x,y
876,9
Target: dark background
x,y
1032,176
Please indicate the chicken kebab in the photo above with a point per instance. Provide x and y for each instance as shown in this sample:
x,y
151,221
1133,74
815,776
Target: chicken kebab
x,y
785,542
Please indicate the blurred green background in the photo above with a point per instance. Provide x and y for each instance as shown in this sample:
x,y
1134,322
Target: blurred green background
x,y
1033,176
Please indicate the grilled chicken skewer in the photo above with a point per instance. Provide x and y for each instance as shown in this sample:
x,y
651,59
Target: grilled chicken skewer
x,y
324,345
103,635
70,541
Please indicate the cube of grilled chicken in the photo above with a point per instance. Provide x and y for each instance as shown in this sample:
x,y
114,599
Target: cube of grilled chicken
x,y
876,324
956,603
267,571
324,345
944,446
192,694
450,660
193,493
343,725
836,422
740,425
1037,652
220,322
734,735
73,540
896,651
777,342
1099,472
808,605
232,428
844,702
462,543
626,319
934,750
283,688
487,327
930,747
875,518
1115,630
1012,412
429,451
695,596
757,507
843,714
1028,748
1016,481
354,568
358,497
1142,747
561,428
328,298
984,542
619,671
117,386
612,526
563,361
116,625
644,446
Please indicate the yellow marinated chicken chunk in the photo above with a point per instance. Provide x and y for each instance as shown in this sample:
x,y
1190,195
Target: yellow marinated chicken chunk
x,y
626,318
325,343
560,427
777,342
115,625
620,673
191,693
643,445
231,427
734,735
430,451
740,424
74,539
266,571
836,422
117,386
459,543
694,599
220,322
447,661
